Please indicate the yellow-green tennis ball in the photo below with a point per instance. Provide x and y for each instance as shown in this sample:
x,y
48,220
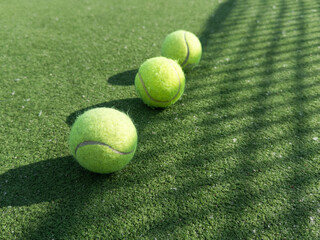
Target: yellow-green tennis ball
x,y
183,47
103,140
160,82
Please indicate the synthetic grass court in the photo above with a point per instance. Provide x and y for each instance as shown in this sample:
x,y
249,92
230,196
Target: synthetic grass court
x,y
236,158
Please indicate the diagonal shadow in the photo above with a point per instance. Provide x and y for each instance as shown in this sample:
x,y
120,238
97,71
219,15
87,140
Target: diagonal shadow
x,y
233,186
302,154
141,116
245,195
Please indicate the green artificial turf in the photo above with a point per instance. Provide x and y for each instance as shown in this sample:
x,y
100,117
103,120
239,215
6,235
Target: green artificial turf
x,y
238,157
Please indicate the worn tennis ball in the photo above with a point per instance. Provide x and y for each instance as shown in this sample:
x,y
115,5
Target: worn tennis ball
x,y
183,47
160,82
103,140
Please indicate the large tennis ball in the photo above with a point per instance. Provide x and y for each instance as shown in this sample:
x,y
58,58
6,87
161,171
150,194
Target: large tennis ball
x,y
103,140
183,47
160,82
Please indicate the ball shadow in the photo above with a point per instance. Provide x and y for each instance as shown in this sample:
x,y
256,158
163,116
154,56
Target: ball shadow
x,y
134,107
45,181
125,78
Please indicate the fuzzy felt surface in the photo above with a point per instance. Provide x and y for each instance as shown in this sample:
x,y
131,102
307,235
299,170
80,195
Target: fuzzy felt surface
x,y
184,47
103,140
160,82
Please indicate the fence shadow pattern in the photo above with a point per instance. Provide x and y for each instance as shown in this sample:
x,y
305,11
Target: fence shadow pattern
x,y
253,105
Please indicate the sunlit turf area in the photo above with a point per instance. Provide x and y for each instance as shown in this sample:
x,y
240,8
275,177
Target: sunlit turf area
x,y
237,157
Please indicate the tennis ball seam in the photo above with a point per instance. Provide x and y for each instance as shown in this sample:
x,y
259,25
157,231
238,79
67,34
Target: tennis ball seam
x,y
160,101
188,51
86,143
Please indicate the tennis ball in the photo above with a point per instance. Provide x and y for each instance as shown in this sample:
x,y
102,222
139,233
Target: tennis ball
x,y
103,140
183,47
160,82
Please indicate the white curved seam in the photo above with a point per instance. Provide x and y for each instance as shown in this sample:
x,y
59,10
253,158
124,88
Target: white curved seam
x,y
188,51
86,143
153,99
178,80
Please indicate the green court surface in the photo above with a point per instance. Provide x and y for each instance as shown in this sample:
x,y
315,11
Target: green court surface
x,y
237,157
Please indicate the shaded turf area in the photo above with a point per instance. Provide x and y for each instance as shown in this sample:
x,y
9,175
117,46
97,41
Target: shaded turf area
x,y
238,157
